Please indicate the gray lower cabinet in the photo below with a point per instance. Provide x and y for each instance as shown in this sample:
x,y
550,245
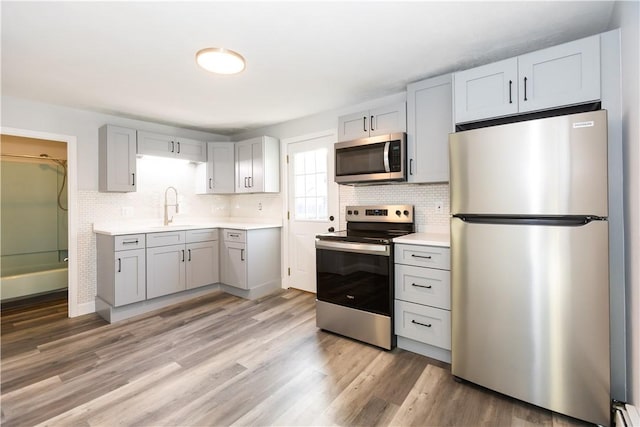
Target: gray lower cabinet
x,y
423,300
121,269
202,258
250,258
179,260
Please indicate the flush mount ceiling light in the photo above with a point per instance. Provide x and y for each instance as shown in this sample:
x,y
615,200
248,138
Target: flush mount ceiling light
x,y
220,61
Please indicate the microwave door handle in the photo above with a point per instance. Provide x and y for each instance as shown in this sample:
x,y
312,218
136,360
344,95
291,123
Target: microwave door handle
x,y
387,168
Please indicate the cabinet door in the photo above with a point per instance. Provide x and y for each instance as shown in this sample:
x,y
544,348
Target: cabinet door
x,y
354,126
130,277
487,91
165,270
190,149
220,167
244,164
256,182
234,271
202,264
117,165
429,121
561,75
388,119
154,144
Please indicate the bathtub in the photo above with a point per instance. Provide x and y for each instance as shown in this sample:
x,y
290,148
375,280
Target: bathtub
x,y
20,285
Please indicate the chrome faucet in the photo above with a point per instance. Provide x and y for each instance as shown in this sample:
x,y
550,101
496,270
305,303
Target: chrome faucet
x,y
167,221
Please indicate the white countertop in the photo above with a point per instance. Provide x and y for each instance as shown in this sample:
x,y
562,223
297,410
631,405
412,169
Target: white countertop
x,y
428,239
120,228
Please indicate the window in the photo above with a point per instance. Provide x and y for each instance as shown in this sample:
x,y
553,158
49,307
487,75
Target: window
x,y
310,170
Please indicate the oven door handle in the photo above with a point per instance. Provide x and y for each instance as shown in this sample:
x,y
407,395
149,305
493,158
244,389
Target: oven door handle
x,y
359,248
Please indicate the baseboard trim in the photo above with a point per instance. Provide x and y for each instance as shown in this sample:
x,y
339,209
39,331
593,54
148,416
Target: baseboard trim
x,y
86,308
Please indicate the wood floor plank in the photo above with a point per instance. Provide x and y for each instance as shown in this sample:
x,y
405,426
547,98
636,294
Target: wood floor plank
x,y
222,360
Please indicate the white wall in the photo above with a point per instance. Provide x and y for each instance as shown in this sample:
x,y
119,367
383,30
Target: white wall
x,y
626,16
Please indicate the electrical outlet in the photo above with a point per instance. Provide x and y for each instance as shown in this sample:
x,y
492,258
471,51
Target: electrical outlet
x,y
260,206
439,207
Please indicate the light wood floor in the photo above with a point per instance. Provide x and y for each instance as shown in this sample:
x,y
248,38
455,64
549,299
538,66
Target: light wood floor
x,y
221,360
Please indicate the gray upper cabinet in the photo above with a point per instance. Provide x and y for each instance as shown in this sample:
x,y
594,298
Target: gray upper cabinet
x,y
117,159
257,165
561,75
154,144
429,122
487,91
558,76
377,121
217,175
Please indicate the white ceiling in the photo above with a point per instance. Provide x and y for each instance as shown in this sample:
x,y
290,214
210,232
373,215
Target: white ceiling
x,y
136,59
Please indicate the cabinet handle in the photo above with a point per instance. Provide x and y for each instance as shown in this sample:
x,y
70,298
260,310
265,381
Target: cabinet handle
x,y
245,182
421,286
234,235
172,146
371,123
241,254
421,256
189,250
130,242
183,255
210,179
133,179
510,84
525,88
178,144
428,325
410,166
364,123
119,265
250,181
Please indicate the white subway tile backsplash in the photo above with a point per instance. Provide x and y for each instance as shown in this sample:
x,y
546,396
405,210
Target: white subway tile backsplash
x,y
424,197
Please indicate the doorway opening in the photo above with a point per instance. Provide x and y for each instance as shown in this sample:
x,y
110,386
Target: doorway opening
x,y
39,217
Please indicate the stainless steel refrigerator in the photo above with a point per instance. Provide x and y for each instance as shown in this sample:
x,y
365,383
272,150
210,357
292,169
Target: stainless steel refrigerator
x,y
529,261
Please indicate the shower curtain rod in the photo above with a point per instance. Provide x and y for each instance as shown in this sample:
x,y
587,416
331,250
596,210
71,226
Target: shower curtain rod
x,y
29,156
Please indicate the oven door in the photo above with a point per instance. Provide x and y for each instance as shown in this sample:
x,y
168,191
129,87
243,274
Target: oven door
x,y
355,275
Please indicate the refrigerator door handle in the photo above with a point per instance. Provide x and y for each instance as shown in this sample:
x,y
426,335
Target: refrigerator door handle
x,y
568,221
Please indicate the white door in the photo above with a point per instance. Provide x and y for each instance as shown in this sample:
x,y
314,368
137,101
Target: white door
x,y
312,204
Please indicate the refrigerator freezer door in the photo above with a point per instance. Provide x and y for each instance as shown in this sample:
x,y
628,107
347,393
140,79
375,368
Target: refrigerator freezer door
x,y
552,166
530,313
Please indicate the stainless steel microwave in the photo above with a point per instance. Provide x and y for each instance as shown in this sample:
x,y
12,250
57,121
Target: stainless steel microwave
x,y
372,160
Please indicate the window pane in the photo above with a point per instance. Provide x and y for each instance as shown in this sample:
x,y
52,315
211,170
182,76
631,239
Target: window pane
x,y
300,186
311,208
311,189
301,212
321,184
322,208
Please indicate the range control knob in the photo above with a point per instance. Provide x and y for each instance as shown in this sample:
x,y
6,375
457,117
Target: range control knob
x,y
356,212
398,213
349,212
406,213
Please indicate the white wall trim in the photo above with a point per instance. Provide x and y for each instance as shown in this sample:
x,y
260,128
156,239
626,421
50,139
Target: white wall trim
x,y
72,197
284,143
85,308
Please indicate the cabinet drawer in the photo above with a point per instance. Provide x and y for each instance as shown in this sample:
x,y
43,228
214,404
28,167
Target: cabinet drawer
x,y
425,324
423,256
202,235
235,236
129,241
421,285
165,238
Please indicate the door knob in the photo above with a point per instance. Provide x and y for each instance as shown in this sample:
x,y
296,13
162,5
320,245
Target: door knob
x,y
331,229
331,218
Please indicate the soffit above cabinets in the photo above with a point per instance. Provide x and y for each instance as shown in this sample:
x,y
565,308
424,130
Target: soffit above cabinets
x,y
137,59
